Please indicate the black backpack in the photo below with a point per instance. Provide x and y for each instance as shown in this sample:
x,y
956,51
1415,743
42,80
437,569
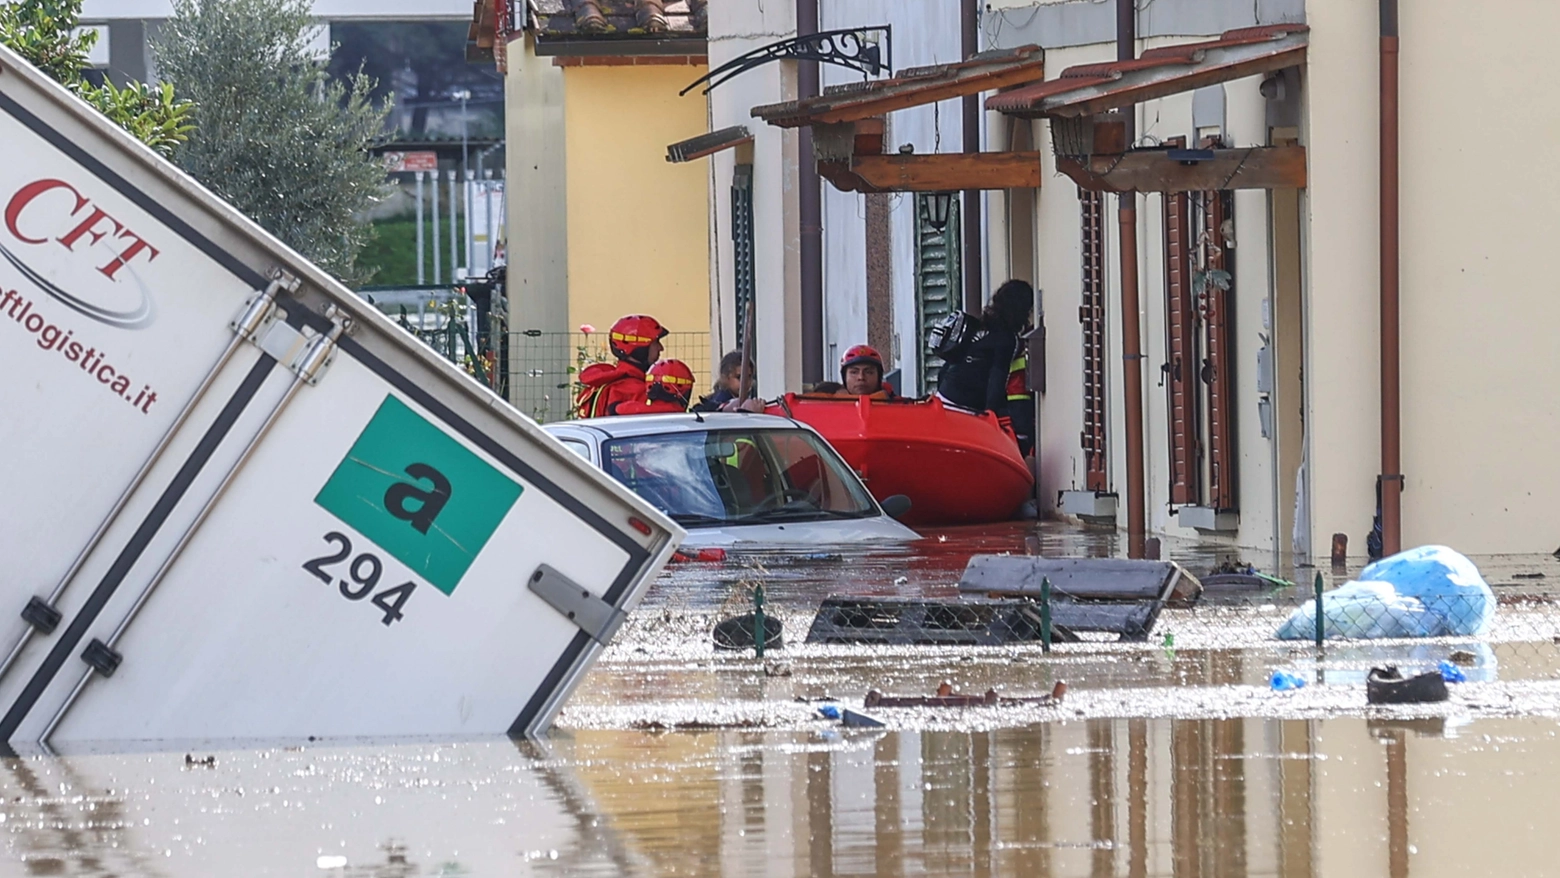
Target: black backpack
x,y
952,334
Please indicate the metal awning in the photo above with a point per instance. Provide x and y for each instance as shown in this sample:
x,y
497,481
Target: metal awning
x,y
911,88
1088,89
708,144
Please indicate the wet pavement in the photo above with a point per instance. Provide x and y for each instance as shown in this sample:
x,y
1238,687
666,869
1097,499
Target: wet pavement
x,y
1167,757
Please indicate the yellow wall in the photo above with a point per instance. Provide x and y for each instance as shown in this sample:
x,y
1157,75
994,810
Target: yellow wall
x,y
638,226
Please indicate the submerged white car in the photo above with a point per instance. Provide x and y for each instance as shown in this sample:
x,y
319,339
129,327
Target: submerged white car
x,y
737,478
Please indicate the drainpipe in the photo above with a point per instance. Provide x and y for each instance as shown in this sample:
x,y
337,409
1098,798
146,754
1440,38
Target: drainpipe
x,y
1131,330
1391,421
969,44
809,205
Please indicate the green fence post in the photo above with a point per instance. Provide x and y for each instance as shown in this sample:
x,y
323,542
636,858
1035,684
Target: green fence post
x,y
1045,614
1320,628
758,620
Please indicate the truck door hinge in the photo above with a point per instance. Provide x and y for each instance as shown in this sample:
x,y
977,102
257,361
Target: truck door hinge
x,y
40,614
103,658
593,615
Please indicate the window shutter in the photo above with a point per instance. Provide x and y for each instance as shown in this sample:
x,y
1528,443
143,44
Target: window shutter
x,y
937,280
1091,313
1181,367
1217,305
742,245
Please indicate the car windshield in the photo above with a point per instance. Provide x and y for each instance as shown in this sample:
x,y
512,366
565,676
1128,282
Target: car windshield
x,y
729,477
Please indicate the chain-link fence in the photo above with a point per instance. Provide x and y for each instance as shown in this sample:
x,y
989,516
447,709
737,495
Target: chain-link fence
x,y
843,614
544,366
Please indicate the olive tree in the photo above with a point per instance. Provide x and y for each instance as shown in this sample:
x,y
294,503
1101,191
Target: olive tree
x,y
275,135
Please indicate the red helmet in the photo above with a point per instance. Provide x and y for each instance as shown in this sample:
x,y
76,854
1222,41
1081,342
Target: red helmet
x,y
669,381
861,354
632,334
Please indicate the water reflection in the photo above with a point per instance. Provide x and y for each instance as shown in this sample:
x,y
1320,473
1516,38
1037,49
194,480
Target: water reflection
x,y
1224,797
1130,797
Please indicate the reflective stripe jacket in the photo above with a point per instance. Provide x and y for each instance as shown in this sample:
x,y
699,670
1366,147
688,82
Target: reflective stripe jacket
x,y
608,385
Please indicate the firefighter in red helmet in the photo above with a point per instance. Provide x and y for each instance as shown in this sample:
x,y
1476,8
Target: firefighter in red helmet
x,y
861,374
668,390
636,343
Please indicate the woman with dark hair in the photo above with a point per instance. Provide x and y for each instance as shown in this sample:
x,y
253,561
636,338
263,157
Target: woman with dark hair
x,y
975,378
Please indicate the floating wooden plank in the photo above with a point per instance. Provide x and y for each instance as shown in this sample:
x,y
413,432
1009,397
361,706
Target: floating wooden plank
x,y
1152,170
1092,579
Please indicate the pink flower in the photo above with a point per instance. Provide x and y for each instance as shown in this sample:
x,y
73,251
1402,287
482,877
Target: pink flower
x,y
587,328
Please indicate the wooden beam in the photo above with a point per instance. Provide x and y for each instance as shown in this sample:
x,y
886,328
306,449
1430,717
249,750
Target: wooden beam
x,y
946,172
842,178
916,95
1257,167
1164,83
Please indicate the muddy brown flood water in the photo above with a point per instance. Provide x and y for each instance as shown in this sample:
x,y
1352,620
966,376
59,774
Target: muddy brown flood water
x,y
1166,758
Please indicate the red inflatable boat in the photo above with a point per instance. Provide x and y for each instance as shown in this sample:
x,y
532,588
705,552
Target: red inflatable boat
x,y
956,468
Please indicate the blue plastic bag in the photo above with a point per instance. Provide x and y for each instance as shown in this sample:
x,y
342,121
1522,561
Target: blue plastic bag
x,y
1431,591
1283,681
1451,673
829,711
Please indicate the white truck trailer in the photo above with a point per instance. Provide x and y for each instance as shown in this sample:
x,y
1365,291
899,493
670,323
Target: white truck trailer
x,y
241,503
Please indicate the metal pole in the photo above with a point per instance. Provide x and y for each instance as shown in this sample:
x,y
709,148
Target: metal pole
x,y
809,205
470,236
454,246
1321,629
420,245
969,44
438,270
1045,614
1131,330
465,156
1391,414
760,628
488,191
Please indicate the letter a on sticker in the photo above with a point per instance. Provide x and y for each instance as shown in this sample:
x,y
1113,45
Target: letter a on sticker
x,y
419,494
429,502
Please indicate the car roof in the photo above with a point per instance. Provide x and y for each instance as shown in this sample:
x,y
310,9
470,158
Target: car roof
x,y
649,425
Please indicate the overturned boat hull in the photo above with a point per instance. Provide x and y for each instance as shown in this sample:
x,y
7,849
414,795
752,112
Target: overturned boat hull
x,y
956,468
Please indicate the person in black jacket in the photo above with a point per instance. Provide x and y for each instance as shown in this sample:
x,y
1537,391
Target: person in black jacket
x,y
975,378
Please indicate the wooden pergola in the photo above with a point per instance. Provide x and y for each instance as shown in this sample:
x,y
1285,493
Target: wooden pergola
x,y
1083,104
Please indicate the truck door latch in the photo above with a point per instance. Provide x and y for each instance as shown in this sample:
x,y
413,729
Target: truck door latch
x,y
595,616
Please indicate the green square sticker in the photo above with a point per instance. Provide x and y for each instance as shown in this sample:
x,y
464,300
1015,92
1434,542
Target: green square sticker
x,y
420,495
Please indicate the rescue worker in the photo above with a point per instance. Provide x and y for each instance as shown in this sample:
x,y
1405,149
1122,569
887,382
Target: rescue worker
x,y
976,380
728,384
1021,403
668,390
636,343
861,374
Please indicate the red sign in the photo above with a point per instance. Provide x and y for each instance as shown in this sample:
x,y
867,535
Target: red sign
x,y
405,162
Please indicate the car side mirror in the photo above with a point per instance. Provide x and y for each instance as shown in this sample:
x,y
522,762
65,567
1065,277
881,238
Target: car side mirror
x,y
895,506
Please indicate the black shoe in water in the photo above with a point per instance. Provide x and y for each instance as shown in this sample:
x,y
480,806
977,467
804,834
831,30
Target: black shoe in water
x,y
1388,686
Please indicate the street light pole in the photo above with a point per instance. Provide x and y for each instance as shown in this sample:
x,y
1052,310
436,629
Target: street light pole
x,y
463,95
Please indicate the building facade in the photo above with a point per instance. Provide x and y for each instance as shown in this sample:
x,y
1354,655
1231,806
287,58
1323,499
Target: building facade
x,y
602,225
1259,291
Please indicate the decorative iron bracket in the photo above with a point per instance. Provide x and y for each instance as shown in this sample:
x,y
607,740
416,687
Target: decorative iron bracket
x,y
853,47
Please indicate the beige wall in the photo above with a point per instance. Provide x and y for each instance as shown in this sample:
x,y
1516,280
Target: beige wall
x,y
638,226
735,29
1059,255
1479,361
538,284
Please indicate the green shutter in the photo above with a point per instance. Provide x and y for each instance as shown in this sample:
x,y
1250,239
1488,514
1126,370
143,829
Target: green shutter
x,y
937,279
742,244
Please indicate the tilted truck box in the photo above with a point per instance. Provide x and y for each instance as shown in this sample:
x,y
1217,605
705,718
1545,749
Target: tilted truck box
x,y
240,502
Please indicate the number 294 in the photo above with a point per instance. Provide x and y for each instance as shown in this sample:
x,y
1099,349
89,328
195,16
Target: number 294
x,y
362,576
